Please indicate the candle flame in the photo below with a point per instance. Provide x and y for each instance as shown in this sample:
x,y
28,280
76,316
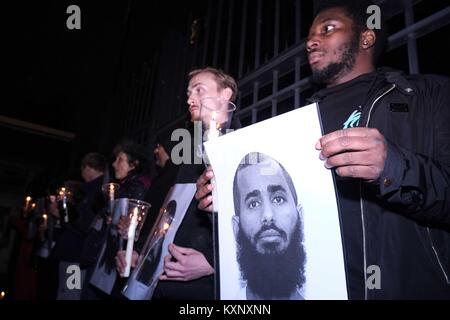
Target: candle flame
x,y
28,199
44,216
111,187
213,116
166,226
2,294
33,205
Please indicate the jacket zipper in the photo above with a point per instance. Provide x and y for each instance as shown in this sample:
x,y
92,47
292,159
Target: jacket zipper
x,y
437,256
361,201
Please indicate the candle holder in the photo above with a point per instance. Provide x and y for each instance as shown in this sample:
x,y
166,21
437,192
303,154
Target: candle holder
x,y
145,277
216,114
132,223
110,192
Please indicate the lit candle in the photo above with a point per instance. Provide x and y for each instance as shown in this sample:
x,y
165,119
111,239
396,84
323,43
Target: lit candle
x,y
63,195
130,242
27,202
33,205
213,132
111,192
166,227
44,223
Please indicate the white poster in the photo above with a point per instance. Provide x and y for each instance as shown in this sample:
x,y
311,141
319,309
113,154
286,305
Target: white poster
x,y
278,223
145,276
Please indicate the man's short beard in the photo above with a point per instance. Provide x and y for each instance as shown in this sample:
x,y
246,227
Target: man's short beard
x,y
336,70
276,274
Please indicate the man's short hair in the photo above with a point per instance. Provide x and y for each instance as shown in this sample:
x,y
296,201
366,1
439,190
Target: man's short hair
x,y
95,161
251,159
223,80
357,11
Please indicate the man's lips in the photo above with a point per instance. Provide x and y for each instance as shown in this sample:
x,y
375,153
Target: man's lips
x,y
270,233
314,57
193,108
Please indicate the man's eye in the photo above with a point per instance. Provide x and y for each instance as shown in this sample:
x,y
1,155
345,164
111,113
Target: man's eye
x,y
253,204
328,28
278,200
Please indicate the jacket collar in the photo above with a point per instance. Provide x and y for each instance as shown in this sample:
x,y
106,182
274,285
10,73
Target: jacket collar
x,y
398,78
392,76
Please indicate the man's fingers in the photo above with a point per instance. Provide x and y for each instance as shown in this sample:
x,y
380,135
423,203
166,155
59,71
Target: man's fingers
x,y
344,144
173,266
178,252
205,204
165,277
203,191
203,188
363,172
347,133
361,158
167,259
205,177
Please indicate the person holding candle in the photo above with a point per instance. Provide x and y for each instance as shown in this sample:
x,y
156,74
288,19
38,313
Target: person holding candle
x,y
188,269
131,166
75,235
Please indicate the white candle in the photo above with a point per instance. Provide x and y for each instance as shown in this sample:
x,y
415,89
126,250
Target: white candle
x,y
111,192
213,132
27,202
130,242
44,216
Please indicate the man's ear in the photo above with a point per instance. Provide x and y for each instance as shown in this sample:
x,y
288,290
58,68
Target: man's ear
x,y
300,210
226,94
368,39
235,222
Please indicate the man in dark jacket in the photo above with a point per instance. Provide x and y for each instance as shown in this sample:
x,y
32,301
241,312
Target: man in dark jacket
x,y
387,140
188,268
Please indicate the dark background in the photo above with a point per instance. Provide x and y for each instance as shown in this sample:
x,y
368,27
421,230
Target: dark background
x,y
75,80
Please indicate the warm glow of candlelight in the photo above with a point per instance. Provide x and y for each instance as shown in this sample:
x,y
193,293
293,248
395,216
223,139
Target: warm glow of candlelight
x,y
2,295
213,126
166,227
111,192
33,205
28,199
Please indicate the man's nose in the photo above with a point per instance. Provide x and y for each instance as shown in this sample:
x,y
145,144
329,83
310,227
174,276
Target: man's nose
x,y
312,43
268,214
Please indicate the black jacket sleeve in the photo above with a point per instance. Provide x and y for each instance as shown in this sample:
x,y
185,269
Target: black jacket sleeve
x,y
416,184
